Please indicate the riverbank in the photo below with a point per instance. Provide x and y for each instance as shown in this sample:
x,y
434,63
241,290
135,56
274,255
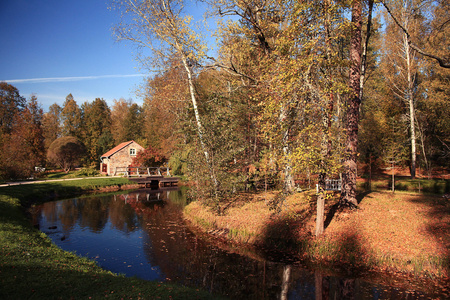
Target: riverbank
x,y
31,266
402,234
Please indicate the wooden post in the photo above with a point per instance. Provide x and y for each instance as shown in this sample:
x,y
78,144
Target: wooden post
x,y
393,177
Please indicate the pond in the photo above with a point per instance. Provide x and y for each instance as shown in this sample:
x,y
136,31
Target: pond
x,y
143,234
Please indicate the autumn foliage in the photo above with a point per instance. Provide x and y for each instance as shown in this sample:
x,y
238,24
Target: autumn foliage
x,y
150,157
22,142
66,152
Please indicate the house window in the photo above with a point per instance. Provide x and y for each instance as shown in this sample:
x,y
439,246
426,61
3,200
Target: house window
x,y
132,152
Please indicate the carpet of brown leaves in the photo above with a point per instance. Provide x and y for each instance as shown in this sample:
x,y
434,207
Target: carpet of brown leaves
x,y
403,231
399,232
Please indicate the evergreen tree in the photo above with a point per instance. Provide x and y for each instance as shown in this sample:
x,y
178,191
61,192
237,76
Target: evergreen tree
x,y
96,130
119,113
51,124
71,118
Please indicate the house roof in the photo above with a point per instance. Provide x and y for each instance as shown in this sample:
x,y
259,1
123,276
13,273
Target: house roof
x,y
117,148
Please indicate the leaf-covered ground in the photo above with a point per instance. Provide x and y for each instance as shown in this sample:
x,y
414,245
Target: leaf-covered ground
x,y
400,233
403,231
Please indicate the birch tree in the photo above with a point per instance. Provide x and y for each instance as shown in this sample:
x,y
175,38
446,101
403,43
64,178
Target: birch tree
x,y
434,51
404,64
163,28
306,83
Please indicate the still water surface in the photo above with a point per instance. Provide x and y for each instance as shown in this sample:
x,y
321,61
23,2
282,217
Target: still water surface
x,y
142,234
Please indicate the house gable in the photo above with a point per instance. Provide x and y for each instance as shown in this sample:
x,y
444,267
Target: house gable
x,y
120,156
116,149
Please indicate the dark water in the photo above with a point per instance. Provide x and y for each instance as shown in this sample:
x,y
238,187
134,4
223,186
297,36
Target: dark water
x,y
142,234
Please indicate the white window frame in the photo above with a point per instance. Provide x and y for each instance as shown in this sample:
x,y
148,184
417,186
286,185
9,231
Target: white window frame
x,y
132,152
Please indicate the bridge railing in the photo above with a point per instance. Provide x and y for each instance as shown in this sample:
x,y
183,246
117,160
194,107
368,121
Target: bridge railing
x,y
331,185
142,171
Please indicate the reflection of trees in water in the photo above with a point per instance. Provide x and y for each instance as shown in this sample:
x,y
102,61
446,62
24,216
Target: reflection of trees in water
x,y
188,260
285,284
49,210
94,212
68,214
178,196
331,287
121,215
35,213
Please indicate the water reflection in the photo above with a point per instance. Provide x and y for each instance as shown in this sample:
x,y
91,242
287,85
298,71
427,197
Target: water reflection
x,y
143,234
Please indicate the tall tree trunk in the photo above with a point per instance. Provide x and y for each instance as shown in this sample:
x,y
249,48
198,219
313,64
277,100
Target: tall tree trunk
x,y
200,131
410,100
422,143
326,139
364,53
326,154
288,185
195,106
320,218
348,194
285,118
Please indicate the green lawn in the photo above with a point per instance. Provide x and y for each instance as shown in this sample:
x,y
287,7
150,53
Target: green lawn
x,y
404,183
32,267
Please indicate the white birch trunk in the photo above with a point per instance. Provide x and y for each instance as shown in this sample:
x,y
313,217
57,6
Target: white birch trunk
x,y
198,122
410,99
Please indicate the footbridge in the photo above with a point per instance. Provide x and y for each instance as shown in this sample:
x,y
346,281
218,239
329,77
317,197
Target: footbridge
x,y
148,177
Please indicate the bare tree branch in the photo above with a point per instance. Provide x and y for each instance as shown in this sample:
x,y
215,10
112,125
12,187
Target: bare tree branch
x,y
442,62
231,69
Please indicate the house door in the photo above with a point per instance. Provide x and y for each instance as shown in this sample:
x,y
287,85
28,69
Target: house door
x,y
104,168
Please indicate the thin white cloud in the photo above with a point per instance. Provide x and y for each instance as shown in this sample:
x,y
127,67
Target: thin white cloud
x,y
65,79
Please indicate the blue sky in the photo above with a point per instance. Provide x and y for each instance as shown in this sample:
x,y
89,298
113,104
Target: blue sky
x,y
51,48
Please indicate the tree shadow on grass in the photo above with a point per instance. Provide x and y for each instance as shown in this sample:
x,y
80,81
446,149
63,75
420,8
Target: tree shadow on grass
x,y
294,233
344,254
44,281
337,207
38,193
438,214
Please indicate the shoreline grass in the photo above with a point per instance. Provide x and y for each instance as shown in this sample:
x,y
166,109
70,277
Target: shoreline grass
x,y
32,267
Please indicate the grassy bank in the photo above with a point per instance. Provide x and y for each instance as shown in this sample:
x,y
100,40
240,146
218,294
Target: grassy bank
x,y
401,232
32,267
406,184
